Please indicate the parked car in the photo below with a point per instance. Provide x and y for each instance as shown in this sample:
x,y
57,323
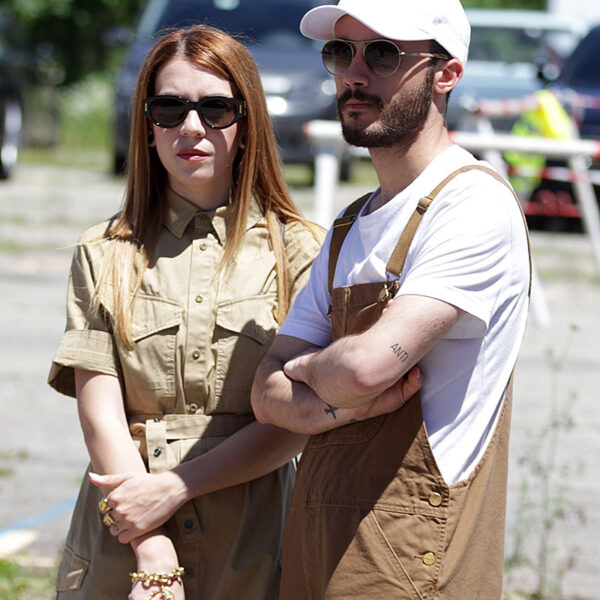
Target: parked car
x,y
581,74
511,53
296,85
11,98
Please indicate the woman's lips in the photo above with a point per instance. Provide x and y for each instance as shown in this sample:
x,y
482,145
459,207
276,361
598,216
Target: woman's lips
x,y
191,154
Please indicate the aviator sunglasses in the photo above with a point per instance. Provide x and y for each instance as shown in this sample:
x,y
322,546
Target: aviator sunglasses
x,y
383,57
216,112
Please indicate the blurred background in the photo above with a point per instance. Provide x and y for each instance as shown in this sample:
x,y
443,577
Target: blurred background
x,y
67,72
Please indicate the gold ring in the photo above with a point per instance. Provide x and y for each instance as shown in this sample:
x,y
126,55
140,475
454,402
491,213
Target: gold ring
x,y
103,506
108,520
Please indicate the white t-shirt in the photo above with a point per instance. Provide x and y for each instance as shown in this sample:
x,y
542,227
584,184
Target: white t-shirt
x,y
471,251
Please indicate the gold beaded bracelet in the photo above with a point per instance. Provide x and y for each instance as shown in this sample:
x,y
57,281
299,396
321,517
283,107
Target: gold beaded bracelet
x,y
162,579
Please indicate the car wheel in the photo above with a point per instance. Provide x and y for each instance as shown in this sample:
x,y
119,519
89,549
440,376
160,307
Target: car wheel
x,y
119,161
11,122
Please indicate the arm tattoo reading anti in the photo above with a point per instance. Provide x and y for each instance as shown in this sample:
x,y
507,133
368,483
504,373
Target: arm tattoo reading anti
x,y
331,410
400,352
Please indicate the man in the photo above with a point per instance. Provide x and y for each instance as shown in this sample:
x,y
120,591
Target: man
x,y
397,497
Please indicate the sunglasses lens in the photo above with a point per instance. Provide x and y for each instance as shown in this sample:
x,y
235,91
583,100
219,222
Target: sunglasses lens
x,y
337,56
382,57
167,111
218,112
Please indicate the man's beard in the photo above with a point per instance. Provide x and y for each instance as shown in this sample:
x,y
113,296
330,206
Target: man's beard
x,y
400,121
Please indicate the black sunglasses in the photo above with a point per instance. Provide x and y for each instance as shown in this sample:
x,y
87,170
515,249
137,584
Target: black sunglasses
x,y
216,112
383,57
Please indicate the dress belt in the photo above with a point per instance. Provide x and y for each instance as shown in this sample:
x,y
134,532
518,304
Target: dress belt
x,y
152,434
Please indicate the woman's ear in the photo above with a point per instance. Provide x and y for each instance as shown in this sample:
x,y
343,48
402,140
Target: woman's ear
x,y
151,140
448,76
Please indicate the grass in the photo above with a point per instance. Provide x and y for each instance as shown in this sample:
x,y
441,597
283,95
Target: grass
x,y
24,582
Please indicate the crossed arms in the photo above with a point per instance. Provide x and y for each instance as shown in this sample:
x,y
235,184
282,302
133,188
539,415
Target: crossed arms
x,y
309,390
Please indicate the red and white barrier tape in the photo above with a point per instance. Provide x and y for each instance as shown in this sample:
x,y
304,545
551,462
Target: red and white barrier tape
x,y
515,106
556,174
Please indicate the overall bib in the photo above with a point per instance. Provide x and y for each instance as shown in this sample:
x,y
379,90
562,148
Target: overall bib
x,y
371,514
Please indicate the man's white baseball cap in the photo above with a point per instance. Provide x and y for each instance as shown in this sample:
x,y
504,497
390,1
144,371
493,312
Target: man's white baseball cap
x,y
444,21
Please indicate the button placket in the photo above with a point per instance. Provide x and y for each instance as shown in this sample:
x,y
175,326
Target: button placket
x,y
205,256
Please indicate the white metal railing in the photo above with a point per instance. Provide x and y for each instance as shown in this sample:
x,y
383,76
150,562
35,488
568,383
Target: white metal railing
x,y
327,139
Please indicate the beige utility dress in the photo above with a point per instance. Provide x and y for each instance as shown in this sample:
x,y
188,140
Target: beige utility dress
x,y
371,514
199,338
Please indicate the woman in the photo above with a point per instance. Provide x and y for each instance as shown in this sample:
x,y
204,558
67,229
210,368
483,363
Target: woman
x,y
171,306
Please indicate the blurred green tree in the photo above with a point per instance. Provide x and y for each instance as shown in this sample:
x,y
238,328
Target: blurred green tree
x,y
512,4
69,38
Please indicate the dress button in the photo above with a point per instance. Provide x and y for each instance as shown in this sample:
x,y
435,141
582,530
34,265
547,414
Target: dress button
x,y
435,499
195,355
188,524
428,558
157,452
199,298
202,246
192,408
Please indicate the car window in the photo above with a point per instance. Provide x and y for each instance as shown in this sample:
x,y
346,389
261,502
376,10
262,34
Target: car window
x,y
511,45
265,23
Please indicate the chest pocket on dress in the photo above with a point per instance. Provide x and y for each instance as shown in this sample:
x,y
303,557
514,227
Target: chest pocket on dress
x,y
149,369
245,328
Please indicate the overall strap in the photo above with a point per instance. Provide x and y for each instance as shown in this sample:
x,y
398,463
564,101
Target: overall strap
x,y
396,263
341,227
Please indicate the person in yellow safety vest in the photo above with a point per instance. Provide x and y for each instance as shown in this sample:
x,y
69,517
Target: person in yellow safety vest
x,y
547,119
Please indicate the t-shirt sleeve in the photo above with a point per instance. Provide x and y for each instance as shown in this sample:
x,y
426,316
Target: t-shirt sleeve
x,y
87,343
463,254
308,318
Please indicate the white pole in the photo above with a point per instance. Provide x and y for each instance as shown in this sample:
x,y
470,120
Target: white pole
x,y
327,138
327,168
585,196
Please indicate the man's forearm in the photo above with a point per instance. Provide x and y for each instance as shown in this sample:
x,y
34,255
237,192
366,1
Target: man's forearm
x,y
337,374
292,405
356,369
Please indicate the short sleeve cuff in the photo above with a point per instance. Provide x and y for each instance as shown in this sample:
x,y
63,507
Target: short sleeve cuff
x,y
88,350
476,316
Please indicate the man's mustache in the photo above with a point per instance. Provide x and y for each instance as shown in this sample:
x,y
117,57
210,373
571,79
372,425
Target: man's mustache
x,y
361,96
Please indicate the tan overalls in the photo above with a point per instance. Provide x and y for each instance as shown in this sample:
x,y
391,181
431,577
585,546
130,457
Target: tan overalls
x,y
371,515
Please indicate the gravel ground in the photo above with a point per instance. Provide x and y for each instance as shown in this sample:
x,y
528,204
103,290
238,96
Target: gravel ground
x,y
555,464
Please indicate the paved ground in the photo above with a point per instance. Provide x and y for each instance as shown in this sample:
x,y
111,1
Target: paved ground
x,y
555,421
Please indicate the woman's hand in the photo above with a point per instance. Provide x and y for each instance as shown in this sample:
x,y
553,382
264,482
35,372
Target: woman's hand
x,y
140,502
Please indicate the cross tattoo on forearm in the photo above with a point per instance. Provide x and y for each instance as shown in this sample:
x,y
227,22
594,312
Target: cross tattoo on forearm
x,y
332,410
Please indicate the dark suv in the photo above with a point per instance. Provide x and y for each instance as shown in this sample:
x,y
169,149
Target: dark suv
x,y
296,85
581,73
11,97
